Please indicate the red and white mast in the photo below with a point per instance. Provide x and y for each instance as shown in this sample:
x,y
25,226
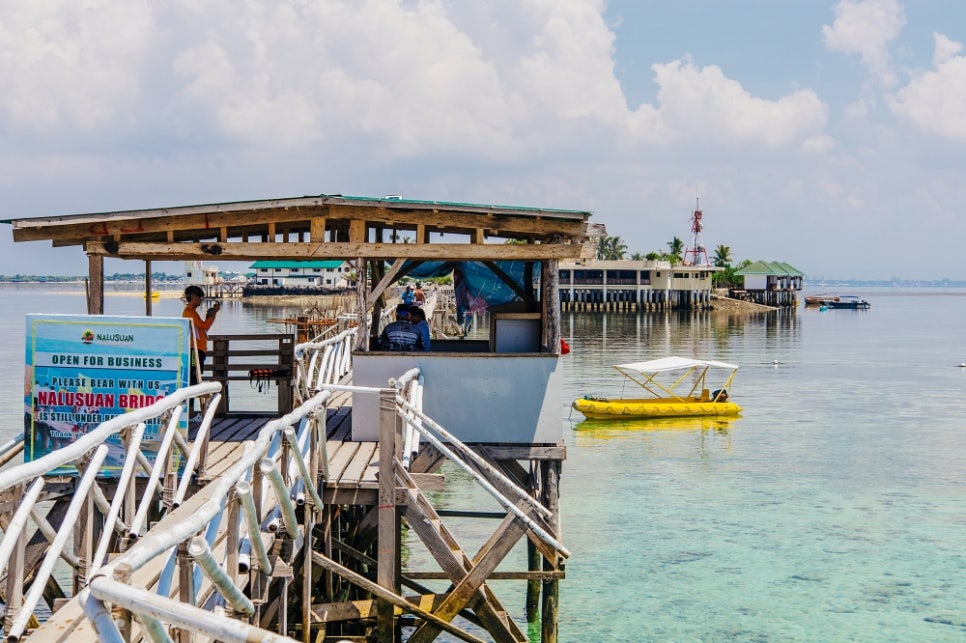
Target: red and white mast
x,y
696,255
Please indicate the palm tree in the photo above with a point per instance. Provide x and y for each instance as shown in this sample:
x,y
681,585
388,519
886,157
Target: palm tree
x,y
611,248
637,256
676,247
722,256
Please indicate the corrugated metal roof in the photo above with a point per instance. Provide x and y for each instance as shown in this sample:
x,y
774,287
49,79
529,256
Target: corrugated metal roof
x,y
770,268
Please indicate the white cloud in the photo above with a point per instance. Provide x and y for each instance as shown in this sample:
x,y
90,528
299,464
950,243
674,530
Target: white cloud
x,y
935,100
866,27
945,49
702,104
71,65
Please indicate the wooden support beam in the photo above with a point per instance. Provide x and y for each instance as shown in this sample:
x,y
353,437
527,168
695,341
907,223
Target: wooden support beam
x,y
240,251
384,282
390,597
317,229
449,555
95,285
522,291
357,231
550,296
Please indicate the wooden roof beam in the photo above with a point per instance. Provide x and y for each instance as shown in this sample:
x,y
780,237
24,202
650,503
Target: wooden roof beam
x,y
337,250
237,223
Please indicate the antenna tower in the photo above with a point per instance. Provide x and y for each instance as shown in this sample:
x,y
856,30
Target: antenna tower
x,y
696,255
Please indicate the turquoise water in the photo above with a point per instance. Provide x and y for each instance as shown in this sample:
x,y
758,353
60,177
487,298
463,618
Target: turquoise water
x,y
834,509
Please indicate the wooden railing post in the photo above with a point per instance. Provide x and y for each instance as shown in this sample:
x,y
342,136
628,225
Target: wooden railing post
x,y
286,364
15,569
219,371
387,575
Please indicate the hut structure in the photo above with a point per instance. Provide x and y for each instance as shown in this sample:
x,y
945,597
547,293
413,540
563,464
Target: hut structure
x,y
500,398
771,283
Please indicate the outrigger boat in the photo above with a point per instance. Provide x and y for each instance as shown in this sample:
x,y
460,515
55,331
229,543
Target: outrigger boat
x,y
677,387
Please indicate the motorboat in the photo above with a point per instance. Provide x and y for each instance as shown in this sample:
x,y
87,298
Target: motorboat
x,y
673,387
848,301
820,300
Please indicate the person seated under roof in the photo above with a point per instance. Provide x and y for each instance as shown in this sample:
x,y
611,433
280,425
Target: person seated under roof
x,y
402,334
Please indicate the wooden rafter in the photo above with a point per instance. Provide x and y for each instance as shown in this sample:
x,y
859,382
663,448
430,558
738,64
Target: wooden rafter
x,y
338,250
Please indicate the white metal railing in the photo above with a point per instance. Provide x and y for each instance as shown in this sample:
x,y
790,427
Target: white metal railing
x,y
253,501
322,362
23,484
11,449
480,470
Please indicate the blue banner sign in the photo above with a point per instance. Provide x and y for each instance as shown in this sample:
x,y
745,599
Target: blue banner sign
x,y
82,370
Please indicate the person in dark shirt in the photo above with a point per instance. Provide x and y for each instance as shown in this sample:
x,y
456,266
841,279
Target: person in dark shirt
x,y
401,335
418,316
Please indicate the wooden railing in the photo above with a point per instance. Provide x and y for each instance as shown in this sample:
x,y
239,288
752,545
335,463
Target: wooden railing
x,y
237,358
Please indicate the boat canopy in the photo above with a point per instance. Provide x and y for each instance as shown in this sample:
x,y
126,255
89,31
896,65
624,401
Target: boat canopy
x,y
672,363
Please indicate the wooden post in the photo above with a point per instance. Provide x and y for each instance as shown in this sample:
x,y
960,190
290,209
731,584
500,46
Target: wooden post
x,y
147,287
286,362
95,285
378,271
551,587
551,306
84,538
387,544
186,588
219,371
533,555
362,290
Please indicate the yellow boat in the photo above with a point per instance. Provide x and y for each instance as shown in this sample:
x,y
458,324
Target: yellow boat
x,y
676,387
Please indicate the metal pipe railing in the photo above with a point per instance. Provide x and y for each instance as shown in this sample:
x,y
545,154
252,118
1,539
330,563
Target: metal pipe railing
x,y
511,507
289,519
17,523
310,486
23,615
198,549
159,541
194,619
127,472
195,455
11,449
160,465
243,489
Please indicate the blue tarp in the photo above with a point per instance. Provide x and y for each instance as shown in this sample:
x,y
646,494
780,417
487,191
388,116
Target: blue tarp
x,y
476,287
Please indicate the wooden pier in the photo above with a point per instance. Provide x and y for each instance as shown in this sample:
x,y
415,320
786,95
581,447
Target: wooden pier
x,y
290,525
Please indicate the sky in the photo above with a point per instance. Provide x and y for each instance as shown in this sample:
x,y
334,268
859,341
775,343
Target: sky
x,y
830,135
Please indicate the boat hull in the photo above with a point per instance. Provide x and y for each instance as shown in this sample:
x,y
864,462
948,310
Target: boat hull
x,y
850,305
602,409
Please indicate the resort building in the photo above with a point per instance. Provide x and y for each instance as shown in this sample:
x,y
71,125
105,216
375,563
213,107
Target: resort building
x,y
634,285
773,283
333,273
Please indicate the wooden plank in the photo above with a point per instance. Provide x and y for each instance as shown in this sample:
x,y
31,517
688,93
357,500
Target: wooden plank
x,y
358,467
343,454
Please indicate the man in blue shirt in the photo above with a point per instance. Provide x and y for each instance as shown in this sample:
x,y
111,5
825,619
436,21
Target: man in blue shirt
x,y
401,335
408,297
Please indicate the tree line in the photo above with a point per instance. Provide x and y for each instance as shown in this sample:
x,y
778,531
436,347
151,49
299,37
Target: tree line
x,y
613,248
